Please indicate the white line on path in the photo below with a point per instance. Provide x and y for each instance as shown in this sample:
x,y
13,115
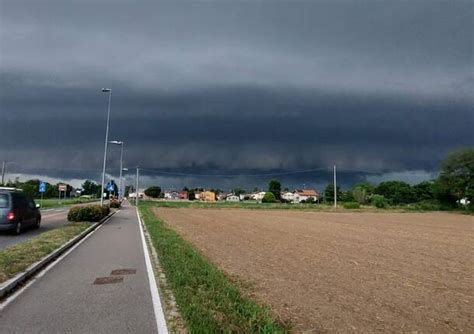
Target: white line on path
x,y
159,315
45,270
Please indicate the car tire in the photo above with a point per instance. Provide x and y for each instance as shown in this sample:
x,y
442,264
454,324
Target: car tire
x,y
38,223
18,228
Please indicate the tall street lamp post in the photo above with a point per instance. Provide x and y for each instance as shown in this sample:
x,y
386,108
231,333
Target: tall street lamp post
x,y
117,142
105,90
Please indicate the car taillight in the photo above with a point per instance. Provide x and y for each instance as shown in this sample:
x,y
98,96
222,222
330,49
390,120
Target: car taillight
x,y
11,215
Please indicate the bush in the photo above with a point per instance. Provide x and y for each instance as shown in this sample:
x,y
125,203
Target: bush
x,y
153,192
379,201
90,213
351,205
115,204
269,198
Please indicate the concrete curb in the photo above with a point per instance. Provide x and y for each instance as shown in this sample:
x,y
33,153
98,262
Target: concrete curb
x,y
12,283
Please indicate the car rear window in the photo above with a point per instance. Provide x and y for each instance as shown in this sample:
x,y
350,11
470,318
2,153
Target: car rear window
x,y
3,201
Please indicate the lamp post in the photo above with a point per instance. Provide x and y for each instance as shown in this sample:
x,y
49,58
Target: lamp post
x,y
105,90
117,142
4,169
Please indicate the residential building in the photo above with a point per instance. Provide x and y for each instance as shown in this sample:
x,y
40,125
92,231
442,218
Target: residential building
x,y
207,196
232,198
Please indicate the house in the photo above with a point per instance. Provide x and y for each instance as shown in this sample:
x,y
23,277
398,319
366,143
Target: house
x,y
232,198
288,196
183,194
171,194
305,194
197,195
258,196
207,196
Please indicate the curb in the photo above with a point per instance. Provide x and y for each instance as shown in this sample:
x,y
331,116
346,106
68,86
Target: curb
x,y
14,282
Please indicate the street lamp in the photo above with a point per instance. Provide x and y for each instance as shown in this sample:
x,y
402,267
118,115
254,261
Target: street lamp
x,y
116,142
4,169
105,90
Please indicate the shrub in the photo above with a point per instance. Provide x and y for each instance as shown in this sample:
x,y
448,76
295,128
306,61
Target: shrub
x,y
115,204
351,205
153,192
90,213
269,198
379,201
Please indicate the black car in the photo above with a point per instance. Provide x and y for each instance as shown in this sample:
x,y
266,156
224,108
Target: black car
x,y
17,211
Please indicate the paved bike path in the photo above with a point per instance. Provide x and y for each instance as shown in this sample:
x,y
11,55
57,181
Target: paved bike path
x,y
66,300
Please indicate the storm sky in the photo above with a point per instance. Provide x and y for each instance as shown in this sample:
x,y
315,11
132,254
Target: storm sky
x,y
382,89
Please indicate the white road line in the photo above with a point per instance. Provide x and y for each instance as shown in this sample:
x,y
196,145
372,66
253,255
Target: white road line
x,y
17,293
159,315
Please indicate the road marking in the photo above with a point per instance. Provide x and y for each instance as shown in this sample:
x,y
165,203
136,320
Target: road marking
x,y
17,293
155,297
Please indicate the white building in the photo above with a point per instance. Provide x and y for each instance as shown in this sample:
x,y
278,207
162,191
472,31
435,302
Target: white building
x,y
258,196
232,198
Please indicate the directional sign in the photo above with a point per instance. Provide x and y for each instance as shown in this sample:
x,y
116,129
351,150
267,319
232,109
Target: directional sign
x,y
42,187
111,186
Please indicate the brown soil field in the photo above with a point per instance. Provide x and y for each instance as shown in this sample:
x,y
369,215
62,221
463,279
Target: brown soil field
x,y
344,272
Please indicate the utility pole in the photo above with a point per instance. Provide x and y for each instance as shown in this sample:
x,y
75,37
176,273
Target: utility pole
x,y
3,172
136,190
335,188
105,90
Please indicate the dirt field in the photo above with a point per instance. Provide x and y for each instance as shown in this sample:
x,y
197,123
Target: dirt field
x,y
340,272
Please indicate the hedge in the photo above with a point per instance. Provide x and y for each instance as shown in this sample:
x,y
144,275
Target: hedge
x,y
90,213
351,205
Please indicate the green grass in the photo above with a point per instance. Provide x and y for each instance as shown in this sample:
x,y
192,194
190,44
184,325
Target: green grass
x,y
17,258
240,205
207,299
55,202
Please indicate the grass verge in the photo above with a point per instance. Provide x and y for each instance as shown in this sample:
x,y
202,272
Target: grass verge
x,y
207,299
19,257
239,205
56,203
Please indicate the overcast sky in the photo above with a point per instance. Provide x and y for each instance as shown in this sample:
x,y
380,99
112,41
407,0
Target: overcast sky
x,y
383,89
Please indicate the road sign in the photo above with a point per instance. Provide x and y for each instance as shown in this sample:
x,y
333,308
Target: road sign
x,y
110,186
42,187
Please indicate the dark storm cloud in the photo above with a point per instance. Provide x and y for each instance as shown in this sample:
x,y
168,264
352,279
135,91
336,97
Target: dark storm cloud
x,y
236,87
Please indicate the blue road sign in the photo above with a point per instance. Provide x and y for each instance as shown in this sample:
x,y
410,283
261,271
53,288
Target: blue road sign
x,y
42,187
110,186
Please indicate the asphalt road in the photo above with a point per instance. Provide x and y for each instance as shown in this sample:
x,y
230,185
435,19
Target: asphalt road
x,y
66,299
50,219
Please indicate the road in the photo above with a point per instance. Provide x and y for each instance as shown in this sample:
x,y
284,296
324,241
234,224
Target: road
x,y
67,298
50,219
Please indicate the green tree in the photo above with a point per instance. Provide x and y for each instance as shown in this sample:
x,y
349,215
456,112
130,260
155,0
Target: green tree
x,y
191,195
456,180
329,193
153,192
274,186
396,192
90,188
238,191
423,191
269,197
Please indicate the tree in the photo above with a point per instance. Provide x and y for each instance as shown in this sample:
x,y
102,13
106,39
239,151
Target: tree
x,y
90,188
153,192
127,190
269,197
274,186
423,191
191,195
238,191
396,192
329,193
456,180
